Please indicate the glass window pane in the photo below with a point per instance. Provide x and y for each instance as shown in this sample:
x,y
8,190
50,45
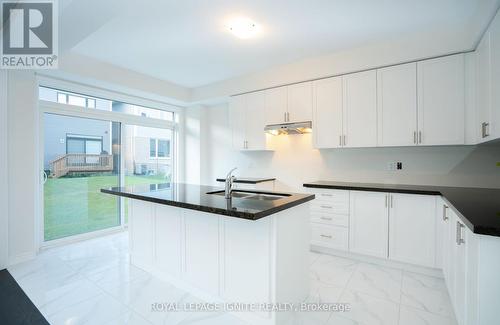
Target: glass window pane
x,y
90,103
61,98
140,167
152,148
73,203
76,100
104,104
163,148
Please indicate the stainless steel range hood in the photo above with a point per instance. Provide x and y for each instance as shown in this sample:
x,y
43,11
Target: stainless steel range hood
x,y
289,128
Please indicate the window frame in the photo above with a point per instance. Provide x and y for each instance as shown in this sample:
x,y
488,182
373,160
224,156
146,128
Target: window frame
x,y
117,94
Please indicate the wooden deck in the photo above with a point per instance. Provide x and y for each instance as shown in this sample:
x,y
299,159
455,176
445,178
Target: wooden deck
x,y
75,162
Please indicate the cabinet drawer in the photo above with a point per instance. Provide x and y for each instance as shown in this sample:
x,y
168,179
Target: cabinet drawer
x,y
330,207
330,195
331,201
330,236
330,219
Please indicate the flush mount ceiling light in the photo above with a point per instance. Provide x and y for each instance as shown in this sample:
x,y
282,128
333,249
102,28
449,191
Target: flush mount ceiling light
x,y
243,28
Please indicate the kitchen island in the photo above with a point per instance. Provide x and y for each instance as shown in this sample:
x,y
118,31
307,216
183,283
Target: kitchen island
x,y
250,249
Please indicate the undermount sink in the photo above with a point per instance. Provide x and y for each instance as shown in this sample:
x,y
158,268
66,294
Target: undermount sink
x,y
252,195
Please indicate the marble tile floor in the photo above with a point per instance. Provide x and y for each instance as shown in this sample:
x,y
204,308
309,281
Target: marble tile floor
x,y
92,282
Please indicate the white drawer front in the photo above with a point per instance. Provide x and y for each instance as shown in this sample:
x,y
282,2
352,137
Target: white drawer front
x,y
330,219
330,207
330,195
330,236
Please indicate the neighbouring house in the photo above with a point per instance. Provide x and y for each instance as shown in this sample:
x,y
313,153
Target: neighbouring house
x,y
83,145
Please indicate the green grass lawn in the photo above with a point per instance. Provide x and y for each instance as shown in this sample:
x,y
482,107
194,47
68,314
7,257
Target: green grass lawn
x,y
75,205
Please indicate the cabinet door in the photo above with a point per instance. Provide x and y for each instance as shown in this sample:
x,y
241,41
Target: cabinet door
x,y
495,76
368,230
327,113
300,102
397,105
255,118
202,250
276,105
237,112
360,109
412,229
168,239
483,89
441,101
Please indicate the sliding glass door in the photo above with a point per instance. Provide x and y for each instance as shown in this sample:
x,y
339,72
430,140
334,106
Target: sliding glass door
x,y
81,156
92,143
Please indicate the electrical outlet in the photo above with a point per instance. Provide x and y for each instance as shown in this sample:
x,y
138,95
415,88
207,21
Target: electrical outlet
x,y
394,166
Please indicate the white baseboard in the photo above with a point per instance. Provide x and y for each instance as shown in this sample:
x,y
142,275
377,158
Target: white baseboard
x,y
20,258
438,273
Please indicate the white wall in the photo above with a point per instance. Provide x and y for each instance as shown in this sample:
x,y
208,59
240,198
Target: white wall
x,y
23,167
295,161
4,192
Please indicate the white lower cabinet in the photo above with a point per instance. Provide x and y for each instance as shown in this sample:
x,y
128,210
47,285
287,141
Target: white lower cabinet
x,y
412,229
330,236
368,229
423,230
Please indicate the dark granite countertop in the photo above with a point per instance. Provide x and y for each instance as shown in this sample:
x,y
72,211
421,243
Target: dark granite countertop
x,y
478,208
195,197
249,180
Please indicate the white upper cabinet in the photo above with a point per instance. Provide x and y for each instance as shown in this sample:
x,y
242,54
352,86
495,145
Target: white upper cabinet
x,y
276,105
248,118
412,229
441,101
368,228
300,102
237,112
360,109
327,113
255,121
495,76
483,89
397,105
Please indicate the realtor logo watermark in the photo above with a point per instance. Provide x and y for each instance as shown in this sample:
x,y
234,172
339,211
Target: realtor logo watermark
x,y
29,34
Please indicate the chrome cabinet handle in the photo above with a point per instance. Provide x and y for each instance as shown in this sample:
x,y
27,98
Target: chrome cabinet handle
x,y
484,128
326,207
326,236
345,141
340,140
415,137
445,215
419,136
392,200
459,238
325,194
288,116
386,198
284,116
325,218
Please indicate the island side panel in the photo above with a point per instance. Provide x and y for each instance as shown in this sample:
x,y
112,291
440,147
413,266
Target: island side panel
x,y
201,237
168,237
247,253
292,254
141,218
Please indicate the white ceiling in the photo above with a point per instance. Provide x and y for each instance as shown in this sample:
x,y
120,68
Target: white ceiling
x,y
186,43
